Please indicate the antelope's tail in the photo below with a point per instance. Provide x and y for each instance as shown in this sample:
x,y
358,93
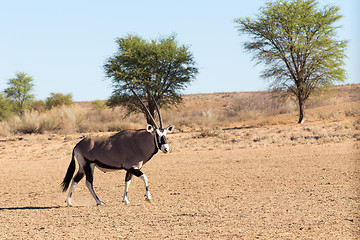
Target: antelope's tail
x,y
69,174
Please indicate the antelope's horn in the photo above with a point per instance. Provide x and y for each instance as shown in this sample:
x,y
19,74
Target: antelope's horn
x,y
158,111
146,109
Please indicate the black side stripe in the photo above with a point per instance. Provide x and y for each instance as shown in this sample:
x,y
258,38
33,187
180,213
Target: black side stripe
x,y
105,166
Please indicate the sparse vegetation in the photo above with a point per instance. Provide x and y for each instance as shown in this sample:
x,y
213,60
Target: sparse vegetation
x,y
98,105
58,100
39,106
206,113
204,133
5,108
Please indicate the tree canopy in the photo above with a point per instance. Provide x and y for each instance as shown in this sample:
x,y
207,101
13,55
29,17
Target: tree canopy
x,y
19,92
160,68
297,42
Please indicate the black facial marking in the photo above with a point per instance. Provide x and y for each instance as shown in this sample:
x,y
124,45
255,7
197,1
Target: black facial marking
x,y
163,140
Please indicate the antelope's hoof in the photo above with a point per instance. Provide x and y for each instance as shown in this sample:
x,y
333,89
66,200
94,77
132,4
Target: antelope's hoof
x,y
68,203
148,200
126,202
100,204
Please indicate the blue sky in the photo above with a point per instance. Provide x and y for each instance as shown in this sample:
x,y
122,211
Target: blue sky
x,y
64,44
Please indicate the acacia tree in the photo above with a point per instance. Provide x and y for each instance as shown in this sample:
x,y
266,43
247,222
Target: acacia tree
x,y
160,68
297,43
19,92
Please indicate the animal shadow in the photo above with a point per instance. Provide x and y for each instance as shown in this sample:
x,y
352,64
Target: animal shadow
x,y
29,208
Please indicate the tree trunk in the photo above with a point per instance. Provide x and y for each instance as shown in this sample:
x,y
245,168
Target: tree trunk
x,y
301,110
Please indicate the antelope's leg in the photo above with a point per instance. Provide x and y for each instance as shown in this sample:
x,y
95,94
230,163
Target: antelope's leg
x,y
127,184
141,175
79,175
89,172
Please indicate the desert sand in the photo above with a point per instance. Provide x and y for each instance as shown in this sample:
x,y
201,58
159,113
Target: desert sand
x,y
207,187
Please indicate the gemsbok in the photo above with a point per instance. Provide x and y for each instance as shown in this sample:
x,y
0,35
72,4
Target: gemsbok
x,y
128,150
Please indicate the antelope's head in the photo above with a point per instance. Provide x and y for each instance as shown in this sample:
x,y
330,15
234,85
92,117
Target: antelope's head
x,y
160,132
160,137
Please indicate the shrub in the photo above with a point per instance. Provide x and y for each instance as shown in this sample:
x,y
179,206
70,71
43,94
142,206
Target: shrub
x,y
98,105
204,133
58,99
39,106
5,129
28,123
5,108
62,120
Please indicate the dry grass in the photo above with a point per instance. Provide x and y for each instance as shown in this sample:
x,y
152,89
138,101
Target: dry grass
x,y
275,135
68,120
57,120
207,114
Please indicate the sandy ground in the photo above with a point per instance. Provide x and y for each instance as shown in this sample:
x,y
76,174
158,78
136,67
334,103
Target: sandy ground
x,y
294,191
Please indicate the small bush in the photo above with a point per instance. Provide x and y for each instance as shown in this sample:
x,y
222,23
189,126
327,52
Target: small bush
x,y
28,123
38,106
5,129
58,99
205,133
98,105
5,108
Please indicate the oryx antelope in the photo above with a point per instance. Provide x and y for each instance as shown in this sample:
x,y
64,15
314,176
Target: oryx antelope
x,y
128,150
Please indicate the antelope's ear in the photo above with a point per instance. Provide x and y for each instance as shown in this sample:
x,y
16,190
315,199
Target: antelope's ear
x,y
149,128
170,128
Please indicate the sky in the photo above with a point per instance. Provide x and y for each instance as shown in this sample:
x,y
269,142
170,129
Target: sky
x,y
64,44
